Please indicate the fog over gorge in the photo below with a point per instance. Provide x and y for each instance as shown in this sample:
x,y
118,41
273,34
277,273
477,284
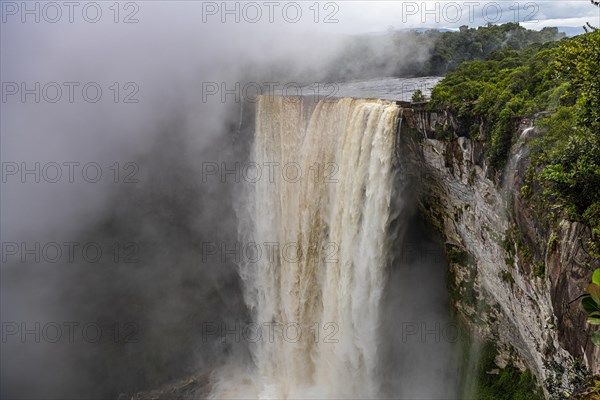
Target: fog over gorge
x,y
256,200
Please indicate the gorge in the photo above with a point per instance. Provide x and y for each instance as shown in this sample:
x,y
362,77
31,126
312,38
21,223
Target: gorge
x,y
390,153
414,215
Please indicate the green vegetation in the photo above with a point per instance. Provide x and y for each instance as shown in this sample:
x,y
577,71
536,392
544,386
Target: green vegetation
x,y
591,304
450,49
510,384
539,270
553,242
462,258
580,383
508,244
507,384
568,156
561,79
506,277
592,391
443,132
418,96
498,93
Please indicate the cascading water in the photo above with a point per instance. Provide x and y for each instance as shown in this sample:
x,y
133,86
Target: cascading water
x,y
327,216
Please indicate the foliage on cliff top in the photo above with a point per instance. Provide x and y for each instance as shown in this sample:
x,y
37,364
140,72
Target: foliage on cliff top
x,y
560,77
450,49
499,91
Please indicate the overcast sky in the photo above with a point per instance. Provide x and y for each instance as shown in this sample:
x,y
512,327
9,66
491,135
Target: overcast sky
x,y
351,16
375,16
355,16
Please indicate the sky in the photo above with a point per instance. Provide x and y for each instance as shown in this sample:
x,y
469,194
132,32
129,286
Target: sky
x,y
375,16
350,16
355,16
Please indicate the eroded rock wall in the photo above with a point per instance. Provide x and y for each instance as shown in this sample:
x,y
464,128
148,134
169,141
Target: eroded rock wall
x,y
512,277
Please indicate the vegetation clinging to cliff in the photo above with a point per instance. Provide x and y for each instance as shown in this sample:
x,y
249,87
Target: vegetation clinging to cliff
x,y
560,77
503,384
499,91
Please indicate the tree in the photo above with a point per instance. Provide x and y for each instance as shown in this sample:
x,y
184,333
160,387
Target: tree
x,y
418,97
579,61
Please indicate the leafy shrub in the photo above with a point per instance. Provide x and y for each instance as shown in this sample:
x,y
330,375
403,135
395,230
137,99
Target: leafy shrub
x,y
418,96
591,304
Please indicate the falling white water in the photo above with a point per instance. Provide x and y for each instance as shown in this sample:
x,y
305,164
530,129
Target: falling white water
x,y
326,203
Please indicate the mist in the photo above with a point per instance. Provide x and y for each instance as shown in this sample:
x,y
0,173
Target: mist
x,y
111,206
417,324
150,133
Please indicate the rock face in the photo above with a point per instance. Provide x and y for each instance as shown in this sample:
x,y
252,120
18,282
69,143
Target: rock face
x,y
191,388
511,277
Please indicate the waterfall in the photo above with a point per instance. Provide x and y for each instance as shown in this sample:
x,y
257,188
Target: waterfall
x,y
323,212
